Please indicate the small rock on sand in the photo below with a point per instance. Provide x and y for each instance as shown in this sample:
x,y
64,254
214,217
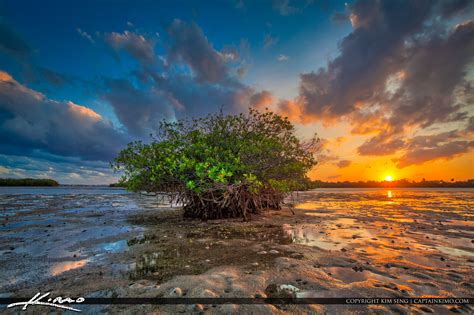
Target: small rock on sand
x,y
273,251
262,252
198,308
176,292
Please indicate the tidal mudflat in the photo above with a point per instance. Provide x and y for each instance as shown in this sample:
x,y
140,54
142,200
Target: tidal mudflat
x,y
338,243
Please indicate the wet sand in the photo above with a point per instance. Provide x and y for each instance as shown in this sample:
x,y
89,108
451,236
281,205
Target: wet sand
x,y
339,243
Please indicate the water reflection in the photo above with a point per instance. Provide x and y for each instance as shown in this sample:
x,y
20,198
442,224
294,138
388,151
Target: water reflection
x,y
407,239
114,247
333,235
66,266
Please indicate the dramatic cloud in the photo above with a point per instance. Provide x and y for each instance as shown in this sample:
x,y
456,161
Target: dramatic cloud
x,y
392,77
189,45
134,44
398,81
30,122
138,110
445,145
368,56
364,123
168,92
177,96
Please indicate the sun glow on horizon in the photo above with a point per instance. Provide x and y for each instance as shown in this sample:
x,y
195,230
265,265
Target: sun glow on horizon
x,y
388,178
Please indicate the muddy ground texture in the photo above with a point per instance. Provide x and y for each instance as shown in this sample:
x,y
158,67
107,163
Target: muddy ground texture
x,y
334,245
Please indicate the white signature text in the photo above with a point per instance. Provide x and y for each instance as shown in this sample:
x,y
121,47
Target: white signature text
x,y
56,302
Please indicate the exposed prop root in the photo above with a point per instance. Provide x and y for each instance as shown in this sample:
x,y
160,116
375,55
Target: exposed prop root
x,y
229,202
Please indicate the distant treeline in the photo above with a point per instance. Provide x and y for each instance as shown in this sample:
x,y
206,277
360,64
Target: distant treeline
x,y
119,184
28,182
403,183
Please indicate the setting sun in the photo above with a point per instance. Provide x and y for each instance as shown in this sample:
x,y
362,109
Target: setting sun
x,y
388,178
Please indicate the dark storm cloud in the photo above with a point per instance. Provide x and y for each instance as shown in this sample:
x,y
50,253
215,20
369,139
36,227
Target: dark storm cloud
x,y
11,42
190,46
29,121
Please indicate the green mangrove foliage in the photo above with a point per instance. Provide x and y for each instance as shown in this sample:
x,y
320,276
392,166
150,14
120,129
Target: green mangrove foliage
x,y
28,182
221,166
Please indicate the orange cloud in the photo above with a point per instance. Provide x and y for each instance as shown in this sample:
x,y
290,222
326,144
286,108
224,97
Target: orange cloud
x,y
82,111
293,110
368,123
5,76
262,100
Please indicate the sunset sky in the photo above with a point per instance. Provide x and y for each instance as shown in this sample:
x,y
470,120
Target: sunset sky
x,y
387,85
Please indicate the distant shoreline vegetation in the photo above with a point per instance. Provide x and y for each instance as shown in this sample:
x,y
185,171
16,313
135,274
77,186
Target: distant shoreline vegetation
x,y
28,182
403,183
119,184
374,184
